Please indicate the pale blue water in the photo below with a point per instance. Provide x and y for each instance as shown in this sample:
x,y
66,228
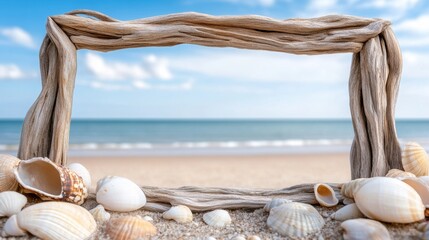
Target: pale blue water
x,y
211,136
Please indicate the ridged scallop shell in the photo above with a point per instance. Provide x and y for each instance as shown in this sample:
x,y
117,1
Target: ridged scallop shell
x,y
275,202
7,178
55,221
180,214
396,173
349,189
364,229
325,195
100,214
389,200
420,187
295,220
350,211
11,203
119,194
217,218
415,159
50,181
80,170
130,227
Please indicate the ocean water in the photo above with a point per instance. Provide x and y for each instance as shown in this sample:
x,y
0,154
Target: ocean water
x,y
163,137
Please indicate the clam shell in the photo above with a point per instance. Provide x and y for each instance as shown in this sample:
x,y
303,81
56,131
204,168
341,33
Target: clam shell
x,y
364,229
11,228
129,227
7,178
50,181
217,218
82,172
350,211
11,203
420,187
180,214
415,159
349,189
119,194
396,173
100,214
325,195
56,221
389,200
295,220
275,202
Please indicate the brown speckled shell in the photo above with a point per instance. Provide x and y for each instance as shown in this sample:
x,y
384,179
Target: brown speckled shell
x,y
130,227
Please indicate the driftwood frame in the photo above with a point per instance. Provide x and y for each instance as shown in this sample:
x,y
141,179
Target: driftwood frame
x,y
373,85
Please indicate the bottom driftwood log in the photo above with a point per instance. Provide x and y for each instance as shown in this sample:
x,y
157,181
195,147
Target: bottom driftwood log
x,y
204,199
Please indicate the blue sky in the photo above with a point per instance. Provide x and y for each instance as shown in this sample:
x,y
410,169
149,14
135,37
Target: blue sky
x,y
199,82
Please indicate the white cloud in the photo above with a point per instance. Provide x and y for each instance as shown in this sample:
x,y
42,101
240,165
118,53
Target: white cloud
x,y
263,3
322,5
416,65
19,36
391,4
158,68
11,71
419,25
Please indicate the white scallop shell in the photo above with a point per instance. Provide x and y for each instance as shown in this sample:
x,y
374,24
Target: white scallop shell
x,y
420,187
80,170
325,195
275,202
350,211
11,228
11,203
100,214
349,189
119,194
364,229
396,173
415,159
295,220
217,218
55,221
389,200
7,178
180,214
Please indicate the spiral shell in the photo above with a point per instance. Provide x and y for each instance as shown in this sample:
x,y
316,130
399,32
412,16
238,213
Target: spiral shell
x,y
180,214
130,227
350,211
217,218
325,195
415,159
396,173
11,203
7,178
364,229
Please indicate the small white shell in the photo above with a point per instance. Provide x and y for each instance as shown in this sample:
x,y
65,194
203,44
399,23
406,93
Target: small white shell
x,y
254,237
11,228
11,203
7,178
415,159
180,214
295,220
119,194
148,218
420,187
217,218
100,214
350,211
239,237
325,195
396,173
364,229
80,170
275,202
389,200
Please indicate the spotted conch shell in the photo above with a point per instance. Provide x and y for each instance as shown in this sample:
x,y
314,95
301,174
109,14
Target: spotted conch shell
x,y
7,179
396,173
364,229
415,159
130,227
325,195
50,181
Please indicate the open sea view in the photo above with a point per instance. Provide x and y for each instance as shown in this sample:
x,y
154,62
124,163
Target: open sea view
x,y
168,137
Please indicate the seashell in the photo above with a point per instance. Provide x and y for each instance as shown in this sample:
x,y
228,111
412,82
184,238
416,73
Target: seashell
x,y
129,227
420,187
11,203
254,237
11,228
347,201
295,220
239,237
210,238
100,214
275,202
119,194
54,220
364,229
350,211
396,173
50,181
7,178
389,200
148,218
325,195
217,218
82,172
180,214
349,189
425,179
415,159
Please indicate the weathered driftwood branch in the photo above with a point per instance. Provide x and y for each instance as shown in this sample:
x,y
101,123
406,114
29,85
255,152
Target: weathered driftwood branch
x,y
205,199
374,77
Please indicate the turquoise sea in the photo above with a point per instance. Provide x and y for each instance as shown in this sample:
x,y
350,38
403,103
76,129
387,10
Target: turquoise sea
x,y
159,137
